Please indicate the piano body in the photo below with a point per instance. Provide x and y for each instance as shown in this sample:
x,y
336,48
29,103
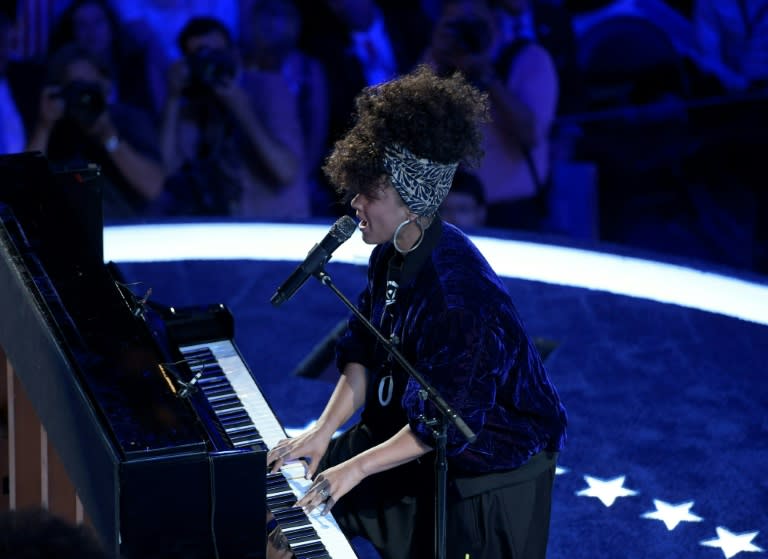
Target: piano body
x,y
155,416
156,478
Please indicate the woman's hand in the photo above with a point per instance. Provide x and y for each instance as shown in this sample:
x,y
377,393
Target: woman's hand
x,y
309,446
332,485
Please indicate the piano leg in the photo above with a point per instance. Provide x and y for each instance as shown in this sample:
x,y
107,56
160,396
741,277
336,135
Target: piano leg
x,y
36,475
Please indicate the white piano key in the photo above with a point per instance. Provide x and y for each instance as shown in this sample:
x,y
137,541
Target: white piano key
x,y
272,432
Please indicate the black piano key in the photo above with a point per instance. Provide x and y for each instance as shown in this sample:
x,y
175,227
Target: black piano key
x,y
213,383
210,377
245,434
309,551
217,391
236,414
236,425
304,535
290,514
280,505
222,406
322,554
277,480
318,555
197,353
276,491
298,523
210,371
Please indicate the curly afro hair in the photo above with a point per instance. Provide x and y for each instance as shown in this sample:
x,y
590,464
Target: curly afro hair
x,y
437,118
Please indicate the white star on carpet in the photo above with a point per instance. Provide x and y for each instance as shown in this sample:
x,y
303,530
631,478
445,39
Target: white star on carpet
x,y
672,515
731,544
559,470
606,490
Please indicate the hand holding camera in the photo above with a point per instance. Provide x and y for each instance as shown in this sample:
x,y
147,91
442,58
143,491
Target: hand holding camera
x,y
84,102
208,69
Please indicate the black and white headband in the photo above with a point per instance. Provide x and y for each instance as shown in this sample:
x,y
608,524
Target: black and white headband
x,y
422,183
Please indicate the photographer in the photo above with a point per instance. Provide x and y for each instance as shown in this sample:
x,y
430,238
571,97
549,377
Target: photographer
x,y
231,139
77,125
522,85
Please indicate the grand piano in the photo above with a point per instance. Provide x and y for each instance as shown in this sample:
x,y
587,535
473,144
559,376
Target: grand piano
x,y
157,419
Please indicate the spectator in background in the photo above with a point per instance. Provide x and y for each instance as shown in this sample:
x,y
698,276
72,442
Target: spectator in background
x,y
522,85
270,43
78,125
38,534
232,140
131,52
18,91
166,18
733,37
464,205
549,24
360,43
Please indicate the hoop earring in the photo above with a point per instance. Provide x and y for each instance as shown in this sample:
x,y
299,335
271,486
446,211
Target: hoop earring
x,y
400,228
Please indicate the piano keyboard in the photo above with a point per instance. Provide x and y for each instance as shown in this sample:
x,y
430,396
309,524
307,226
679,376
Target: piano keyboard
x,y
248,421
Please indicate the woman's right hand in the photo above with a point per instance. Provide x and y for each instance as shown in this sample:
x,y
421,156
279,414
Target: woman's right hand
x,y
309,446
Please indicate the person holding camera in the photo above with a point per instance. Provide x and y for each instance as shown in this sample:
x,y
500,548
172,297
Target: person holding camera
x,y
77,125
522,85
232,140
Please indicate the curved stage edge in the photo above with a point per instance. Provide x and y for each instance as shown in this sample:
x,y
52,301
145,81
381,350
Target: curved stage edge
x,y
661,366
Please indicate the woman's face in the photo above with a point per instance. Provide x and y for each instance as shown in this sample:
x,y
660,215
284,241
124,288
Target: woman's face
x,y
380,216
92,28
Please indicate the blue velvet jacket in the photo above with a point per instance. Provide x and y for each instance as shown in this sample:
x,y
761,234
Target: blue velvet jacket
x,y
456,324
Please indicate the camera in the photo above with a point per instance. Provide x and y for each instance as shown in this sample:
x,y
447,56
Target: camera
x,y
470,35
84,101
208,68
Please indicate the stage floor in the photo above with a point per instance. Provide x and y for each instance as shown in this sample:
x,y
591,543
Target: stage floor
x,y
666,394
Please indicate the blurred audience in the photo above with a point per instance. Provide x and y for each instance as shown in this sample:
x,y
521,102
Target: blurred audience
x,y
270,42
360,43
19,84
132,52
733,35
166,18
550,24
521,81
78,124
38,534
464,206
232,139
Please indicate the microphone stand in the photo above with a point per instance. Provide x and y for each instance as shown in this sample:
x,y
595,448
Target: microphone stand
x,y
439,425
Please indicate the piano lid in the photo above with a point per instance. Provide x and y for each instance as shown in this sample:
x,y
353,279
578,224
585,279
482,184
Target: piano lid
x,y
51,231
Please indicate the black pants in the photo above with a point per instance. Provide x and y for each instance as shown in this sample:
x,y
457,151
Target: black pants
x,y
494,516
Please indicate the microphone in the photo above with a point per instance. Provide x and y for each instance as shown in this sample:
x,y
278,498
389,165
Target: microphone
x,y
340,232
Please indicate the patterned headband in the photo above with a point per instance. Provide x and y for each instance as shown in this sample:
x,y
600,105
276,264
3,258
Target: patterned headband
x,y
421,183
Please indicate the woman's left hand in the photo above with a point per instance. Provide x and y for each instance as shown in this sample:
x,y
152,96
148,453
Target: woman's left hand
x,y
331,485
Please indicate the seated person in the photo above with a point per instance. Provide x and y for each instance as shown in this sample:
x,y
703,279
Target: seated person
x,y
77,125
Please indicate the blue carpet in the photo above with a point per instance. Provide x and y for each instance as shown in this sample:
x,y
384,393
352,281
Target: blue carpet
x,y
666,403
